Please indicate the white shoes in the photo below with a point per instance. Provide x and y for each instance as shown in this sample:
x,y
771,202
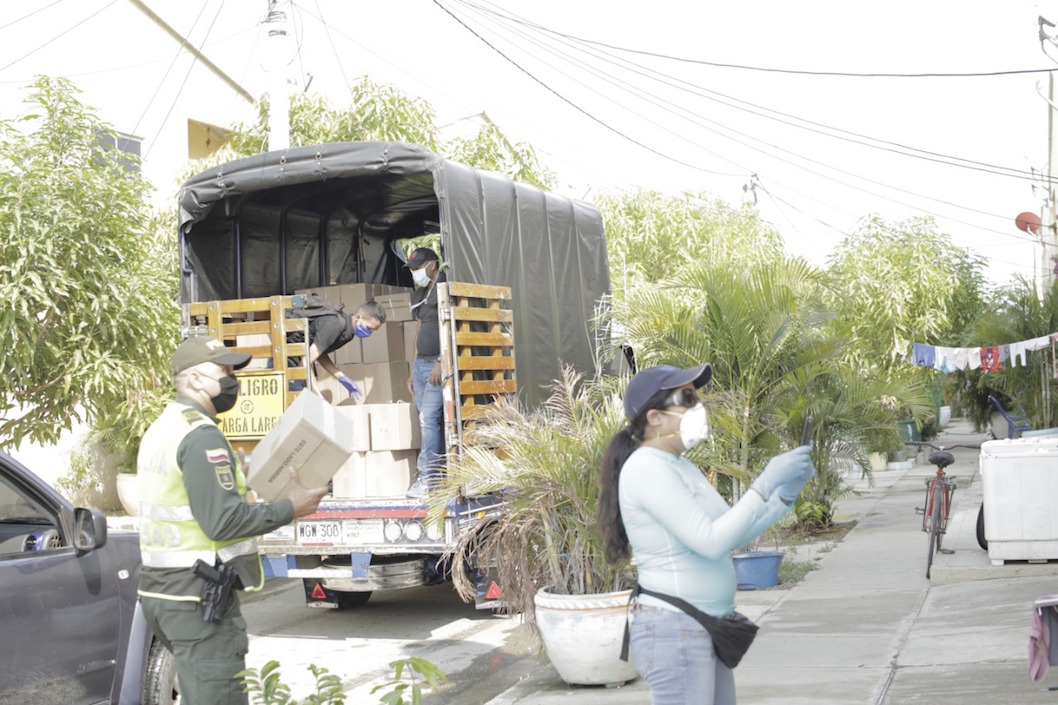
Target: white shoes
x,y
418,489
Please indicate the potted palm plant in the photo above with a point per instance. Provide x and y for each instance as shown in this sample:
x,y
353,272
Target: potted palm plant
x,y
545,547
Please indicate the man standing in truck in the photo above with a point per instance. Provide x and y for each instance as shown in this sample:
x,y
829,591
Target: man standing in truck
x,y
425,380
193,509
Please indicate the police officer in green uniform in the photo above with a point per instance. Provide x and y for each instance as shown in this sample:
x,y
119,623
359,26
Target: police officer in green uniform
x,y
193,506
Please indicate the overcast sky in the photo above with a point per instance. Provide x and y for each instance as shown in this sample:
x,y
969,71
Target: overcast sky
x,y
618,95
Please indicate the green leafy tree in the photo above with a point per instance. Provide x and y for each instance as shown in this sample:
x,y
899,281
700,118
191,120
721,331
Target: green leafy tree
x,y
898,283
1016,313
650,235
87,305
383,112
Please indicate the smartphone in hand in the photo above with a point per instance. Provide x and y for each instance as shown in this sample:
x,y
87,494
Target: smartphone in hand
x,y
808,430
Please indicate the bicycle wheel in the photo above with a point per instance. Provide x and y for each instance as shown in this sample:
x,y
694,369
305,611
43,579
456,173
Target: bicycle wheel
x,y
981,540
934,528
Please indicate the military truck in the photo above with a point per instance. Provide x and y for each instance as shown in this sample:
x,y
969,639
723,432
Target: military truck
x,y
527,272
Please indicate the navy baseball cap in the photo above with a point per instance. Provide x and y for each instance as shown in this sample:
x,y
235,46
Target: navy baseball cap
x,y
648,382
420,256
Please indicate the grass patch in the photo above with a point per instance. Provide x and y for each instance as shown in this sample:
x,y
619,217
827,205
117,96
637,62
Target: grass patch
x,y
793,572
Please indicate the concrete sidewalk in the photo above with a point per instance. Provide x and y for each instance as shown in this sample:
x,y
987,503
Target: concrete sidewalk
x,y
867,626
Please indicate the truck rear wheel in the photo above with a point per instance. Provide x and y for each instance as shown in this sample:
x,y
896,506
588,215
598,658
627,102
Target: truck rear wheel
x,y
351,600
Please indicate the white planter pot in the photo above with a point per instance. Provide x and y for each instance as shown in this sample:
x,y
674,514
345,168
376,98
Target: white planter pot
x,y
879,462
582,635
129,492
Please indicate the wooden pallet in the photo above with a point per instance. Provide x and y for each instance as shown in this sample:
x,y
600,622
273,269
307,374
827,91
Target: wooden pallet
x,y
227,319
477,353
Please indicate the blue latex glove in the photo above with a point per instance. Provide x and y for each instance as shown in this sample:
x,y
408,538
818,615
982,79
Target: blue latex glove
x,y
788,491
353,388
789,468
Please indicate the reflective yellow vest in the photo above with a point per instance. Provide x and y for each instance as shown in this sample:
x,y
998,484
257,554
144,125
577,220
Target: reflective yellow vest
x,y
170,537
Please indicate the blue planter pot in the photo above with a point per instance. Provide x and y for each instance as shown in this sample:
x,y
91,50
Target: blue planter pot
x,y
756,570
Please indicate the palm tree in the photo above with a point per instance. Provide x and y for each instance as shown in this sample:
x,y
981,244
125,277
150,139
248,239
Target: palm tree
x,y
544,463
776,361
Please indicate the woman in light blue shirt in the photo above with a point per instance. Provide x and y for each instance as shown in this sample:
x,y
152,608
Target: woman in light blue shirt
x,y
658,507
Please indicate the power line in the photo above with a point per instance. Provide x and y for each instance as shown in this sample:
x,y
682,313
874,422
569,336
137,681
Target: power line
x,y
337,58
567,100
722,99
194,59
31,52
698,119
172,63
23,17
767,69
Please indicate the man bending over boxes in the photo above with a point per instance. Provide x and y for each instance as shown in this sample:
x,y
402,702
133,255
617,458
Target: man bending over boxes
x,y
332,330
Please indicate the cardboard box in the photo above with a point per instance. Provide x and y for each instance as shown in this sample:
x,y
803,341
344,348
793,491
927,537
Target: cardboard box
x,y
310,436
394,426
385,344
389,473
382,382
256,340
332,392
350,482
396,306
360,416
352,295
349,354
411,330
330,294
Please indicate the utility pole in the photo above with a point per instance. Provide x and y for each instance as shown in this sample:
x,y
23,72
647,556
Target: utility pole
x,y
278,49
1047,232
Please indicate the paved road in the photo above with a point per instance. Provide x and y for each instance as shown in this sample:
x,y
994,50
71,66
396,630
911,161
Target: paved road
x,y
483,655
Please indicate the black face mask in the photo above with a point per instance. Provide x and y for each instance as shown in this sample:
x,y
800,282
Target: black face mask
x,y
229,392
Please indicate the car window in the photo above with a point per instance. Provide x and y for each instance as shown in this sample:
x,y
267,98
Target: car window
x,y
24,525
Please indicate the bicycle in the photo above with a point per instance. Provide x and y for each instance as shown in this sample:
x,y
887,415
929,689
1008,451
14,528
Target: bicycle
x,y
939,492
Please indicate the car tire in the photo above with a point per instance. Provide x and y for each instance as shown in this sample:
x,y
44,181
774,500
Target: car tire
x,y
159,683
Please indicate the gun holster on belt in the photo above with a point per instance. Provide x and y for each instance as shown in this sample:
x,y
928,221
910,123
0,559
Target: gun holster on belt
x,y
220,581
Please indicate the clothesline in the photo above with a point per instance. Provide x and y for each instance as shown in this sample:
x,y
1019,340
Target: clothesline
x,y
989,358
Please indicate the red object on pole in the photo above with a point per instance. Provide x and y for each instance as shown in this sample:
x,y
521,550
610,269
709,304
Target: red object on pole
x,y
1027,222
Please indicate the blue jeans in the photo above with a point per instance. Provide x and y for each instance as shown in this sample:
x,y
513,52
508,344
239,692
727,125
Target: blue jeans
x,y
431,418
674,654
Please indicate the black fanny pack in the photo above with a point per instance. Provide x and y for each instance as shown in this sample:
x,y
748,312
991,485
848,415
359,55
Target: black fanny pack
x,y
731,635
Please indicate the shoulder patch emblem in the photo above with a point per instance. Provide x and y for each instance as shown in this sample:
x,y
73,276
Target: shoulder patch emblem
x,y
218,455
225,477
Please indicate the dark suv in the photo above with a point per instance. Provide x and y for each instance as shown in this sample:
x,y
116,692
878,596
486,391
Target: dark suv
x,y
72,631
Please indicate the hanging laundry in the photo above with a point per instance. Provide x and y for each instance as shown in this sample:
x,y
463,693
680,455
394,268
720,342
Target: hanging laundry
x,y
1038,343
961,358
944,359
974,362
922,354
1017,353
990,359
1054,355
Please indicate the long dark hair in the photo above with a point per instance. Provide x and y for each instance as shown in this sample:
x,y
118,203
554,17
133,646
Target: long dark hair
x,y
622,445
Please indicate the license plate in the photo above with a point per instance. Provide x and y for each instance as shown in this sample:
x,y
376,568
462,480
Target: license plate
x,y
361,532
319,533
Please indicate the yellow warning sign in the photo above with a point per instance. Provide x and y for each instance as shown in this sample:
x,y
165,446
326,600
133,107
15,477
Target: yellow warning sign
x,y
260,404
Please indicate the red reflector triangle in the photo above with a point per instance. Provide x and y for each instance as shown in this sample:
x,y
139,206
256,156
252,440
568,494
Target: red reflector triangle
x,y
318,593
494,592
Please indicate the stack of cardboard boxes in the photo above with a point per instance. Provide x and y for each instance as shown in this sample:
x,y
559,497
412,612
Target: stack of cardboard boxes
x,y
386,435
